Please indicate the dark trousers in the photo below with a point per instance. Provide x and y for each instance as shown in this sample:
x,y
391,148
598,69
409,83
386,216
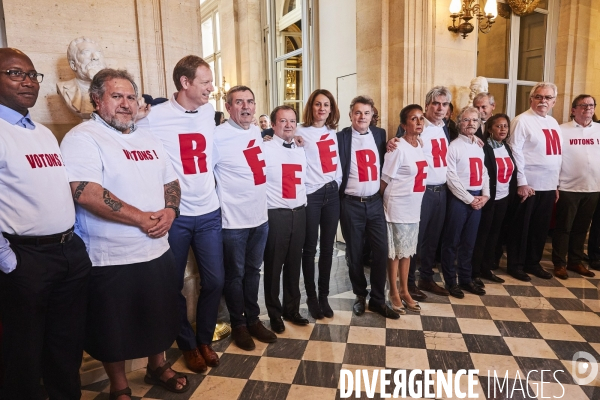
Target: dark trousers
x,y
528,231
433,213
203,234
362,221
458,241
574,213
322,211
243,251
487,245
283,252
594,238
44,303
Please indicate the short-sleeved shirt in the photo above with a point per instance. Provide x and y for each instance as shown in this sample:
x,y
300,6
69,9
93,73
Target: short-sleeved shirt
x,y
322,157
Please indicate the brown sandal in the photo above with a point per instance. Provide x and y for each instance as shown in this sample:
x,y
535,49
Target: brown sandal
x,y
115,395
153,378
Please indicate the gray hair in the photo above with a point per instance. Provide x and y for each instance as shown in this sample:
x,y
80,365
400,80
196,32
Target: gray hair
x,y
72,49
483,95
467,110
362,100
438,91
543,85
98,85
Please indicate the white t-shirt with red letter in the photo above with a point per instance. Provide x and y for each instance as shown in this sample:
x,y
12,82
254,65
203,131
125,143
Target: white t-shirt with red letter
x,y
322,157
580,170
135,168
188,139
435,148
240,170
466,170
536,143
35,197
286,175
405,171
364,176
505,167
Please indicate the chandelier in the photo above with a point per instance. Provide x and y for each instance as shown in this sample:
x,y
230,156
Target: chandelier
x,y
465,10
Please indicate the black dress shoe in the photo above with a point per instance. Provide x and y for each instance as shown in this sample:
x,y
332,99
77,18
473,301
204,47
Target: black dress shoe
x,y
472,288
520,275
538,271
455,291
325,307
261,333
296,319
242,339
384,310
359,306
491,277
277,325
416,294
313,307
478,282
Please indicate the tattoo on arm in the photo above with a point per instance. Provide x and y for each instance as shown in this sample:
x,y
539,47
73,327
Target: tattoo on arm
x,y
172,193
114,205
79,190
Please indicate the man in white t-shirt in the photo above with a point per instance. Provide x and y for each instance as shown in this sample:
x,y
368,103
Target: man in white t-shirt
x,y
579,188
286,202
239,166
536,143
362,217
185,125
44,266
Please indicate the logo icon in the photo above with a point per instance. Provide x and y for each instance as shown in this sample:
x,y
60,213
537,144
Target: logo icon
x,y
584,368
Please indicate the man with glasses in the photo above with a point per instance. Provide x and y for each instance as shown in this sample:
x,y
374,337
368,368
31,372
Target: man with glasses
x,y
45,271
579,189
536,142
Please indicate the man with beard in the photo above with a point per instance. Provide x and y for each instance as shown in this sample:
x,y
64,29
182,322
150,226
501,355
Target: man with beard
x,y
85,59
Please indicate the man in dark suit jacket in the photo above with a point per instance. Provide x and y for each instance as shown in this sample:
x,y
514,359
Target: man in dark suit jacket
x,y
362,149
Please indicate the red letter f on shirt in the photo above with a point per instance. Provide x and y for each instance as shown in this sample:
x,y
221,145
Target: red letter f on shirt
x,y
289,180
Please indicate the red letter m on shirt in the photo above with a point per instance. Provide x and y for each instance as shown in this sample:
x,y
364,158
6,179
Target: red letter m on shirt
x,y
552,142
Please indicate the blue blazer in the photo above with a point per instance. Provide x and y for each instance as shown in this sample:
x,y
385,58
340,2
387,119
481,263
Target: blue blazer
x,y
344,138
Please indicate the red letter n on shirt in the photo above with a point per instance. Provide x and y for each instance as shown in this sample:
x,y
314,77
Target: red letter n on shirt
x,y
476,169
289,180
420,177
256,165
191,150
552,142
326,154
438,151
366,162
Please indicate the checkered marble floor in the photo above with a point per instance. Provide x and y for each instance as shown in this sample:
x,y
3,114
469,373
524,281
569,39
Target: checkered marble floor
x,y
516,327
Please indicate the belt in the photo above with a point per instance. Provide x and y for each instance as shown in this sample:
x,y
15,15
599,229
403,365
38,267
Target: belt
x,y
436,188
57,238
363,199
289,209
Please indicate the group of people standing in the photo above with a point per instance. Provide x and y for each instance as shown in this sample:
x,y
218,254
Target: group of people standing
x,y
96,233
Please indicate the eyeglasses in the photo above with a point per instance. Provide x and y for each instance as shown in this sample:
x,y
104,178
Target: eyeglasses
x,y
539,97
19,76
586,106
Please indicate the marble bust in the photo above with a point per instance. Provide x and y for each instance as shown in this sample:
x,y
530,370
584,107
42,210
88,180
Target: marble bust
x,y
478,85
85,59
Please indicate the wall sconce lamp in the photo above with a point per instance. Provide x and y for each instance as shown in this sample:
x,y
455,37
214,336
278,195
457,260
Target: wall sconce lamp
x,y
466,10
222,90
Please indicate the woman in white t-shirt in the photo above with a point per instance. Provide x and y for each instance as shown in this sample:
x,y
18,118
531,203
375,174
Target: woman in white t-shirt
x,y
502,172
323,178
403,180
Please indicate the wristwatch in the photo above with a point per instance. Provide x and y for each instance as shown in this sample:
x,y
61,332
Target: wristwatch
x,y
174,208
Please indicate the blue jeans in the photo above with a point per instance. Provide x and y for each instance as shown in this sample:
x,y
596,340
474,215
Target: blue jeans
x,y
243,251
458,241
203,234
322,211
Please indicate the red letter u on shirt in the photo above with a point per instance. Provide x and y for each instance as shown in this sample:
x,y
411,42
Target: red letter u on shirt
x,y
326,154
366,162
505,169
191,150
256,165
438,151
289,180
552,142
476,167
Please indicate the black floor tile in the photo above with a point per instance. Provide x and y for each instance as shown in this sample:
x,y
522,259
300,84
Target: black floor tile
x,y
445,360
518,329
286,348
591,294
365,354
499,301
222,344
568,304
593,392
502,389
535,281
368,319
465,311
545,316
486,344
565,350
589,333
405,338
259,390
519,290
440,324
536,365
235,366
316,373
330,333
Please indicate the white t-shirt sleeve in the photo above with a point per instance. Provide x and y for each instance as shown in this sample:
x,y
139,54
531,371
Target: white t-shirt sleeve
x,y
339,173
516,142
169,172
390,165
452,178
485,190
82,159
8,259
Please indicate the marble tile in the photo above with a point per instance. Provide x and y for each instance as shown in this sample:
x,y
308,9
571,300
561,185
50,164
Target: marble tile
x,y
286,348
594,305
554,390
478,326
274,369
344,295
565,350
517,329
235,366
522,347
488,363
365,335
440,324
436,310
370,373
301,392
339,318
593,392
463,386
589,333
219,388
534,367
330,352
412,322
469,300
578,283
573,369
364,354
445,360
258,350
301,332
507,314
558,332
547,316
494,290
499,301
581,318
405,338
406,358
591,294
444,341
259,390
321,374
486,344
341,304
538,303
568,304
467,311
516,290
555,292
330,333
368,319
501,388
509,280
